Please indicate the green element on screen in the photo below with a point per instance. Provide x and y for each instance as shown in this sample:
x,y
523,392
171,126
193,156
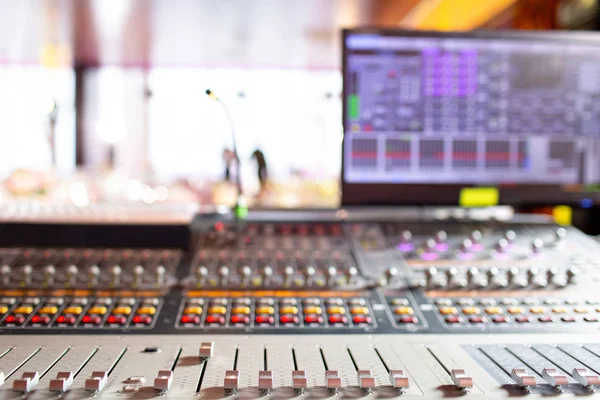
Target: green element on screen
x,y
353,106
241,212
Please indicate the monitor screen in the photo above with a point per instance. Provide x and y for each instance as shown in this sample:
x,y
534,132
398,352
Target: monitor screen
x,y
513,111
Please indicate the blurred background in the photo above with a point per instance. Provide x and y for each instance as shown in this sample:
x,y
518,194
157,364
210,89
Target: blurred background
x,y
104,100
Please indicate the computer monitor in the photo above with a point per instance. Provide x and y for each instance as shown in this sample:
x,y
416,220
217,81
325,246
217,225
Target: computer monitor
x,y
428,115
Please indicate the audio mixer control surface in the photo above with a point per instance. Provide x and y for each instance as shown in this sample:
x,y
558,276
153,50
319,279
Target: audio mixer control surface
x,y
320,309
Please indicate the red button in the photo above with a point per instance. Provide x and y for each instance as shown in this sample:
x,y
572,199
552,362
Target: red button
x,y
240,319
337,319
215,319
93,320
453,320
545,319
523,319
476,320
361,319
500,319
17,320
313,319
408,319
118,320
190,319
65,320
568,319
138,319
39,319
265,319
288,319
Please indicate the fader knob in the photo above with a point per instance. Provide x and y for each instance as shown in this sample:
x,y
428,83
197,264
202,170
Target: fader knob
x,y
27,271
572,275
72,272
160,272
537,245
267,273
560,234
224,274
501,246
246,273
93,274
288,275
116,275
49,273
352,274
138,275
510,236
331,274
309,274
5,271
201,275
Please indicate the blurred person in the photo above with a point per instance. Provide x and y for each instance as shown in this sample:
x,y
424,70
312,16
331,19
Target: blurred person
x,y
229,157
261,168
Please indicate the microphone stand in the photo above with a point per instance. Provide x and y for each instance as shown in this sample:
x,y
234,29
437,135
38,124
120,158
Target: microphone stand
x,y
241,207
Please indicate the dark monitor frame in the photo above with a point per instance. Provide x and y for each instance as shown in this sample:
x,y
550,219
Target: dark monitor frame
x,y
449,194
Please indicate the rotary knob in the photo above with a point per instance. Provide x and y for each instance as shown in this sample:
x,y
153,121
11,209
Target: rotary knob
x,y
572,275
501,246
288,275
138,275
93,275
309,275
49,274
472,276
159,273
510,236
351,275
405,243
201,275
512,275
390,275
451,274
551,274
532,273
27,270
560,234
72,272
475,236
430,274
267,274
246,273
5,271
224,275
537,245
466,246
441,237
116,275
331,275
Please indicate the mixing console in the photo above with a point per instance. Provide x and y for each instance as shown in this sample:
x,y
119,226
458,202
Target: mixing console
x,y
328,308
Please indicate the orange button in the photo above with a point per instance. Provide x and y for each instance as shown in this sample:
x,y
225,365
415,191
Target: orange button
x,y
448,310
493,310
515,310
471,310
537,310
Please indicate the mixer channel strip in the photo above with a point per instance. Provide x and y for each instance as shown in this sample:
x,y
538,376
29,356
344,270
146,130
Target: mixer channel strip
x,y
269,312
80,312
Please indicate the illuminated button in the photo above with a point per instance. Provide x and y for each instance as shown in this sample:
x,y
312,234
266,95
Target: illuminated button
x,y
289,301
515,310
288,310
288,319
126,301
453,320
313,310
239,310
3,309
193,310
220,301
590,319
151,301
215,319
196,301
47,310
140,320
466,302
265,310
337,319
265,301
438,302
190,319
568,319
242,301
559,310
313,319
403,302
336,310
545,319
537,310
361,319
403,310
336,301
100,310
116,320
240,319
408,319
126,310
471,310
448,310
66,320
359,311
265,319
104,301
14,320
73,310
311,301
493,310
23,310
150,310
500,319
581,310
358,302
92,320
523,319
40,319
476,320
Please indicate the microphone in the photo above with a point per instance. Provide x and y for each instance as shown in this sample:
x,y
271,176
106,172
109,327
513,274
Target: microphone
x,y
240,206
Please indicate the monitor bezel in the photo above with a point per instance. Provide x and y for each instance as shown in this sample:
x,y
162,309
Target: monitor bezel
x,y
393,194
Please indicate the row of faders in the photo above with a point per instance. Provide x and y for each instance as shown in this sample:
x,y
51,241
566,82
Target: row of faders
x,y
59,312
271,312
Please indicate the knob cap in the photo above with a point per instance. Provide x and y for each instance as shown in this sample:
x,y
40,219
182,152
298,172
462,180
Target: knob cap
x,y
352,274
510,236
138,274
160,272
429,245
267,273
5,271
288,275
224,274
309,274
116,275
572,275
430,273
560,234
441,237
390,274
475,236
93,275
501,246
466,246
537,245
